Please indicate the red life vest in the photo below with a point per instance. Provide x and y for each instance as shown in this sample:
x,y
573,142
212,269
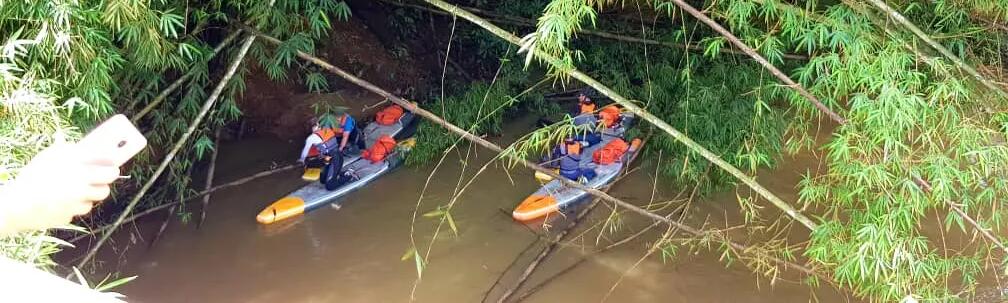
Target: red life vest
x,y
587,107
381,149
389,115
611,152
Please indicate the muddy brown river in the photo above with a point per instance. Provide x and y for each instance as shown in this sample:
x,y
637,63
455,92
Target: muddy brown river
x,y
352,254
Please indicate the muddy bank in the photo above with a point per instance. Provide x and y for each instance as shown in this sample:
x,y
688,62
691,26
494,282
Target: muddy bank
x,y
280,108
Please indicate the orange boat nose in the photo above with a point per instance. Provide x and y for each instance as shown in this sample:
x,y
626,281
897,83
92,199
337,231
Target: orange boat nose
x,y
281,209
535,206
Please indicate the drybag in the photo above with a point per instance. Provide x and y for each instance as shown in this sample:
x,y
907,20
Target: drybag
x,y
611,152
609,115
381,149
389,115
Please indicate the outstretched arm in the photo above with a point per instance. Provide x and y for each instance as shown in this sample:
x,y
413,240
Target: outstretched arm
x,y
308,143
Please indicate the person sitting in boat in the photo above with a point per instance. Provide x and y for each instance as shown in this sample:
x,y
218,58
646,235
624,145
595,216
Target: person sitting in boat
x,y
383,147
570,162
325,137
585,103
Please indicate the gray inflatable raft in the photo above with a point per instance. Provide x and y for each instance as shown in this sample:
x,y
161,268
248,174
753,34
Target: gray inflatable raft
x,y
315,195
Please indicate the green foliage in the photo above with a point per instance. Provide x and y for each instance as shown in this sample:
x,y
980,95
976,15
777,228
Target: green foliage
x,y
906,119
909,115
479,109
720,102
66,65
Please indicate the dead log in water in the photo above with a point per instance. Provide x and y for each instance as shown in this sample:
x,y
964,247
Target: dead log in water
x,y
209,178
234,183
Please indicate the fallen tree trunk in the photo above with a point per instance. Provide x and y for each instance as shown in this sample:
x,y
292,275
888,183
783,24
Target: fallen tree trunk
x,y
654,120
413,107
535,288
209,103
200,194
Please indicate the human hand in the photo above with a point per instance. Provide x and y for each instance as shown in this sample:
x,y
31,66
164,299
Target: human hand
x,y
59,183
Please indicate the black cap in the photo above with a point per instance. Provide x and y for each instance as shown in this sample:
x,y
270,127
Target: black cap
x,y
587,92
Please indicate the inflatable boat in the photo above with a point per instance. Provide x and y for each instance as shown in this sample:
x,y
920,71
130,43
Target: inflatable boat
x,y
361,170
554,196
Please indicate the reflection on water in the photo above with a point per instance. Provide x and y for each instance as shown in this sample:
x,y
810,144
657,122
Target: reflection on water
x,y
353,254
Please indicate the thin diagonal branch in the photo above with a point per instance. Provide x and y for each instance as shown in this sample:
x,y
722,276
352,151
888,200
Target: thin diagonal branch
x,y
889,11
181,80
413,107
632,107
207,105
518,21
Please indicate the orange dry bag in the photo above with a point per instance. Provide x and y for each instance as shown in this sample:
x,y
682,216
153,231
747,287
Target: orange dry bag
x,y
381,149
389,115
611,152
609,115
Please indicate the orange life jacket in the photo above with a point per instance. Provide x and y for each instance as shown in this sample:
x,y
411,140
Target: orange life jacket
x,y
573,148
389,115
587,107
611,152
609,115
326,134
381,149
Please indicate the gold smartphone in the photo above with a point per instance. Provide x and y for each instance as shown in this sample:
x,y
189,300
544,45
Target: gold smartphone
x,y
116,139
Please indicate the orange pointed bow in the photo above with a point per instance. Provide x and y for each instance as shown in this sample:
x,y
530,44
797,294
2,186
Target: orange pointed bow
x,y
281,209
534,207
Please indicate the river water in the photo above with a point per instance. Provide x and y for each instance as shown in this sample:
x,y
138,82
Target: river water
x,y
352,254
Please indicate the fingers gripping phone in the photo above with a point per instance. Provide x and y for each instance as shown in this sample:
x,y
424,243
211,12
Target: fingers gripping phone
x,y
116,139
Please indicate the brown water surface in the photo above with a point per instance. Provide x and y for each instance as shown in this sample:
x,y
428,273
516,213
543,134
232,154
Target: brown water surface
x,y
353,254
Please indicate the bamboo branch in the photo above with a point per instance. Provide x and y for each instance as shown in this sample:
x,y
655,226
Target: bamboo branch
x,y
955,208
762,61
548,250
601,34
209,178
661,124
209,103
413,107
937,46
197,195
178,82
921,183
